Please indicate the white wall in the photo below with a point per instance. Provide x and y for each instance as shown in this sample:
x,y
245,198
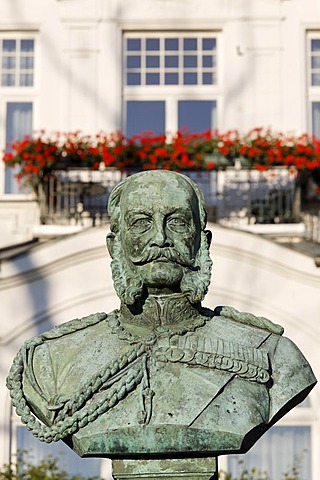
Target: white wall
x,y
68,278
78,59
78,65
17,219
78,86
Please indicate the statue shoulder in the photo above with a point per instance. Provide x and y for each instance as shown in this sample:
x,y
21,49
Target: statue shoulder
x,y
249,319
293,378
74,326
46,349
54,375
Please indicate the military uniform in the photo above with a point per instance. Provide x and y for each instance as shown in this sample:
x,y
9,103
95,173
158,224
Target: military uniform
x,y
186,378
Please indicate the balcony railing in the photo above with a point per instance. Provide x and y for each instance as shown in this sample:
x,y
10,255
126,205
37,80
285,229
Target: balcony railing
x,y
233,197
253,197
76,197
311,221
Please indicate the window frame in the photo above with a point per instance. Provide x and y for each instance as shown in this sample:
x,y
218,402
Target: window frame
x,y
180,53
300,416
171,94
18,94
313,91
15,424
27,35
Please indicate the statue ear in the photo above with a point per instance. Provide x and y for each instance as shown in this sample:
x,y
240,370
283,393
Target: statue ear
x,y
208,234
110,243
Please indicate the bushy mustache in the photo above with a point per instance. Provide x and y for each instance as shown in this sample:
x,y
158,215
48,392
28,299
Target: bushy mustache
x,y
154,253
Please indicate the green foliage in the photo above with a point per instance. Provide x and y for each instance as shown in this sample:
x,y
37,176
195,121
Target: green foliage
x,y
294,472
252,474
48,469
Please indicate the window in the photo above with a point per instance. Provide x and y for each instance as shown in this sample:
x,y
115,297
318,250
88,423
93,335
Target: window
x,y
145,115
17,90
170,81
34,451
283,448
184,59
18,124
197,115
314,61
313,73
279,451
17,62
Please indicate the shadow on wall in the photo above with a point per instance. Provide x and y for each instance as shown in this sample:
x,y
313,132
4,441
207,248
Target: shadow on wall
x,y
75,82
37,310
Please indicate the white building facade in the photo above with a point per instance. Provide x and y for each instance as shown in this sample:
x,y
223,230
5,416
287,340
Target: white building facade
x,y
103,65
161,65
70,278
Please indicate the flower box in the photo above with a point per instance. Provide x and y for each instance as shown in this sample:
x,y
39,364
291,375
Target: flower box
x,y
259,149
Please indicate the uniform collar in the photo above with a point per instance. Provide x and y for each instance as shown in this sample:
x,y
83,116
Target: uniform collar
x,y
157,316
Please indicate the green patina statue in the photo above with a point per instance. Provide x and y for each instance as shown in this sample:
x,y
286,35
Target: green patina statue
x,y
161,376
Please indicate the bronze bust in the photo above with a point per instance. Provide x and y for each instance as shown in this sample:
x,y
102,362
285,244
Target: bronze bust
x,y
162,375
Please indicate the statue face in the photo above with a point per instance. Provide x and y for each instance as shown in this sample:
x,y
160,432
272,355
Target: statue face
x,y
160,231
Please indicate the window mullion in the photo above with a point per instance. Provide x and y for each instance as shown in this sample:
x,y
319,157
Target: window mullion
x,y
15,73
143,61
180,60
313,82
161,61
185,82
199,61
171,114
17,69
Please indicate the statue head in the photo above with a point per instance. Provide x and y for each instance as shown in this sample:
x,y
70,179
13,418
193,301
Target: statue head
x,y
158,242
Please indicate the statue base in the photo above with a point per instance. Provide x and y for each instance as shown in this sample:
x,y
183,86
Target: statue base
x,y
166,469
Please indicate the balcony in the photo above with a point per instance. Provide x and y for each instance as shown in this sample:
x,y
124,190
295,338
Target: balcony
x,y
264,203
77,197
252,181
235,197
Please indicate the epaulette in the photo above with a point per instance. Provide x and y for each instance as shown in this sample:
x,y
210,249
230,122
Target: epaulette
x,y
73,326
248,319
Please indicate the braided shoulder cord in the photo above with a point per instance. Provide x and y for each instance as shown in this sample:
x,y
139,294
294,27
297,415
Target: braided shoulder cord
x,y
250,319
68,425
66,328
73,326
99,380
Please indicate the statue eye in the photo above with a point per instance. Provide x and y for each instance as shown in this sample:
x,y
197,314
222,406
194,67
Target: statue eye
x,y
177,224
141,225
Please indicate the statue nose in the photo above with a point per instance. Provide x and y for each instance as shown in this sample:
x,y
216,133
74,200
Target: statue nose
x,y
160,238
